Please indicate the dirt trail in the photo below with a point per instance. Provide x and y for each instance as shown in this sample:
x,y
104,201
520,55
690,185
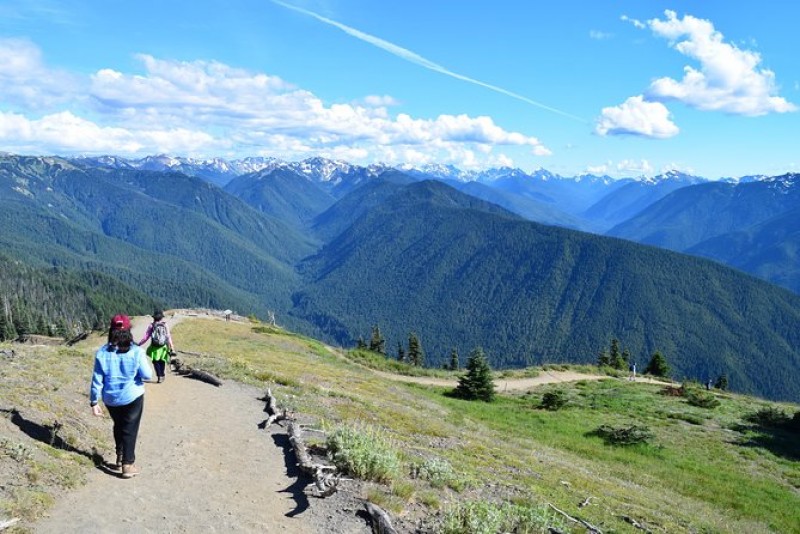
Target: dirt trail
x,y
206,467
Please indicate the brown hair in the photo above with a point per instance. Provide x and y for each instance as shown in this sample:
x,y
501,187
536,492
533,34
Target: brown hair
x,y
121,339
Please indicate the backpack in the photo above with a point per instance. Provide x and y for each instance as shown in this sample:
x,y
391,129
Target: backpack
x,y
159,335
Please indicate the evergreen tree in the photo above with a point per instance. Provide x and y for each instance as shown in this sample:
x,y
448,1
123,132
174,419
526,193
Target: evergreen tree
x,y
361,344
401,353
7,330
722,382
454,364
415,354
604,358
376,342
616,355
477,383
657,366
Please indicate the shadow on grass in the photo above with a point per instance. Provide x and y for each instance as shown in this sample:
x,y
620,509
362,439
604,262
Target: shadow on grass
x,y
48,434
780,441
297,488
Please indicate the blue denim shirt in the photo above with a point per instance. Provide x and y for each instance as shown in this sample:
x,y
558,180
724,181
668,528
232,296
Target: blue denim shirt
x,y
120,377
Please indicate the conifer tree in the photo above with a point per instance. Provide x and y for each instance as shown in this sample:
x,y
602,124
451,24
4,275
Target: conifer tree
x,y
617,356
722,382
361,344
477,383
454,364
415,354
401,353
376,342
604,358
657,366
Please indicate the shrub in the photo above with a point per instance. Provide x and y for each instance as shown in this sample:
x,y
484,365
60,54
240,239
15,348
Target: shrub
x,y
364,452
554,400
699,398
770,416
480,517
624,436
439,473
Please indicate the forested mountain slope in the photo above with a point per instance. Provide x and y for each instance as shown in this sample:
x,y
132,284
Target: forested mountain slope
x,y
430,260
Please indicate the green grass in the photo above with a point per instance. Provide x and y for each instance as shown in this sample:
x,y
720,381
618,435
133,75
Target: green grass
x,y
705,469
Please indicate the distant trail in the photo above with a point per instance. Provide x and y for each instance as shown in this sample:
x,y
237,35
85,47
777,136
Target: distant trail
x,y
513,384
206,467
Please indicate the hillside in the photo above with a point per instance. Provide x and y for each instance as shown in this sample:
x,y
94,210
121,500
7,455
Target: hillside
x,y
444,462
748,225
462,274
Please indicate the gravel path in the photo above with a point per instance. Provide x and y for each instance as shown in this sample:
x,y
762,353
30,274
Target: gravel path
x,y
206,467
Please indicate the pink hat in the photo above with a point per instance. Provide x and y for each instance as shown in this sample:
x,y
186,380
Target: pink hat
x,y
120,322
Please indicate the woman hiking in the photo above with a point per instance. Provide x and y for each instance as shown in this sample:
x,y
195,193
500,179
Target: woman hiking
x,y
160,348
120,369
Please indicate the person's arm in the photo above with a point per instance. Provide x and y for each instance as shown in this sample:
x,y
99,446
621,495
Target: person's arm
x,y
145,371
147,333
169,338
96,387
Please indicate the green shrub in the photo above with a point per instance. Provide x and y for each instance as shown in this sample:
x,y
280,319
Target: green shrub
x,y
696,397
364,452
439,473
480,517
770,416
554,400
624,436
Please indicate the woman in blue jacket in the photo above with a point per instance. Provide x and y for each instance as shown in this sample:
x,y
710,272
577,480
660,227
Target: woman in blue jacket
x,y
120,370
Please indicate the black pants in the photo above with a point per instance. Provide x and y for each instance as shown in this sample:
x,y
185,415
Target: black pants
x,y
159,366
126,428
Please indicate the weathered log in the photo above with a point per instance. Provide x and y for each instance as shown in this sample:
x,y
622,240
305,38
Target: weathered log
x,y
381,523
591,528
635,523
324,476
5,524
205,377
274,414
182,369
79,337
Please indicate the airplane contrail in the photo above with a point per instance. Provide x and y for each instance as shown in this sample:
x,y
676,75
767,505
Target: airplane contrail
x,y
413,57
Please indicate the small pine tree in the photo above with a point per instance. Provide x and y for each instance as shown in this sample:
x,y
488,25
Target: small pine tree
x,y
617,356
477,383
401,353
361,344
722,382
657,366
376,342
454,364
415,353
604,358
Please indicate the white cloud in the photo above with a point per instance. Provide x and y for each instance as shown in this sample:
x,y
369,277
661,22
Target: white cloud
x,y
638,117
208,108
599,36
631,166
636,23
26,82
728,79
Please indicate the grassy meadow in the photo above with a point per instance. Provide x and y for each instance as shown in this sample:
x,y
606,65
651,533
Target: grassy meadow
x,y
454,465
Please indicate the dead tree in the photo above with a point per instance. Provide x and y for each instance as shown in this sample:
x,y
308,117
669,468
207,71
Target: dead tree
x,y
182,369
273,412
381,523
324,476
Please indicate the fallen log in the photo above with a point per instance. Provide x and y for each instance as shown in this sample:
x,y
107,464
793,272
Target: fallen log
x,y
182,369
381,523
79,337
591,528
274,414
324,476
5,524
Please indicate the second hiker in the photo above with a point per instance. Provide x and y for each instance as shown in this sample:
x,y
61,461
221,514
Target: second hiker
x,y
161,346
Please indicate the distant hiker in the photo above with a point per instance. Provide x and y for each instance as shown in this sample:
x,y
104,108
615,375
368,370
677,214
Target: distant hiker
x,y
709,384
633,371
160,348
120,369
227,315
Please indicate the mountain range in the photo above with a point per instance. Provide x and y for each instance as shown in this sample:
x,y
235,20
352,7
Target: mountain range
x,y
456,258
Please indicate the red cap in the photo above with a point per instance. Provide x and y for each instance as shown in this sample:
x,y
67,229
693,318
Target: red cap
x,y
120,322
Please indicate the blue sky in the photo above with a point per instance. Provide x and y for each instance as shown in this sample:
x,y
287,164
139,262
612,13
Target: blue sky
x,y
623,88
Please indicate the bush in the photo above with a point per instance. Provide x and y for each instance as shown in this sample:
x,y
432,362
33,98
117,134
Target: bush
x,y
554,400
439,473
624,436
364,452
480,517
770,416
699,398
